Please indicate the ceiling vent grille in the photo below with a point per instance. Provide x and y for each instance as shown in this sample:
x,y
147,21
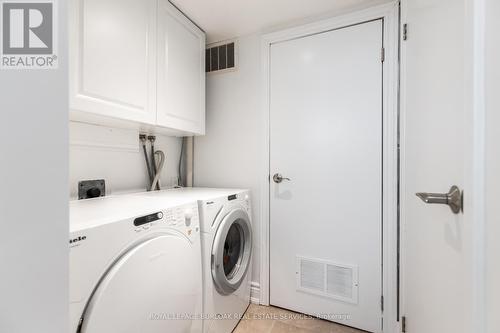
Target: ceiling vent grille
x,y
220,57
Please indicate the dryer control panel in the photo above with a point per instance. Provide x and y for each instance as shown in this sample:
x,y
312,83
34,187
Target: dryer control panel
x,y
148,219
185,218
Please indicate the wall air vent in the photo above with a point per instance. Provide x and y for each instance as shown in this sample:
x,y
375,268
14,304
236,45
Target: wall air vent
x,y
221,57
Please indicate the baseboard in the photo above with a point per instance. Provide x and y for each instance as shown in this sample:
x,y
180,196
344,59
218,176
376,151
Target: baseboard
x,y
255,293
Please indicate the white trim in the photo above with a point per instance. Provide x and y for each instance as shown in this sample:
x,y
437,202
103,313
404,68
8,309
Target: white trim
x,y
104,146
477,196
390,183
390,14
265,176
402,170
103,137
255,293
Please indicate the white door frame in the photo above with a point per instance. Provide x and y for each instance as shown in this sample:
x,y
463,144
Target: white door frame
x,y
390,15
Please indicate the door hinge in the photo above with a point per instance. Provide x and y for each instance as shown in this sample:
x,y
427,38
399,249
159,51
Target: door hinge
x,y
403,324
405,31
382,303
382,55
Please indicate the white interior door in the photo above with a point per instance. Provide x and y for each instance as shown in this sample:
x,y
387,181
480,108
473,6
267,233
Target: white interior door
x,y
326,136
436,243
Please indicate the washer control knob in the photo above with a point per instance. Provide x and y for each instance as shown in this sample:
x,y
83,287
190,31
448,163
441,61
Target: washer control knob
x,y
159,215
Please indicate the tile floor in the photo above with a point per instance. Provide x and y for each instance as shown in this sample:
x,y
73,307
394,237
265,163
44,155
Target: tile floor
x,y
268,319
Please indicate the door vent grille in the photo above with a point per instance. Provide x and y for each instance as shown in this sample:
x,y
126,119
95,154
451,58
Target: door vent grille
x,y
312,275
325,278
221,57
339,281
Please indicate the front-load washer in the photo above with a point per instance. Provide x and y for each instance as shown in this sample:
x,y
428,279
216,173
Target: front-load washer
x,y
225,221
135,266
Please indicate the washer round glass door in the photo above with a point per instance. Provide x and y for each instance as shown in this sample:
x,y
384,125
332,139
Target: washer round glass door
x,y
147,288
231,251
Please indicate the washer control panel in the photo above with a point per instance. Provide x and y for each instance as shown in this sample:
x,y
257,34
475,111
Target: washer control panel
x,y
237,198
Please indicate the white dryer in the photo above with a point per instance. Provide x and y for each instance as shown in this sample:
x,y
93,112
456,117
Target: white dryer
x,y
225,220
135,266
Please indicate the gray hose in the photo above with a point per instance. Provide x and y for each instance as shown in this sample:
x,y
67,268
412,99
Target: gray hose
x,y
152,139
142,137
180,181
161,161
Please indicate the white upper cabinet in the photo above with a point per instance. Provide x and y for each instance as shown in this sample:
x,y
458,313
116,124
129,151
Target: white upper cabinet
x,y
181,71
134,63
113,58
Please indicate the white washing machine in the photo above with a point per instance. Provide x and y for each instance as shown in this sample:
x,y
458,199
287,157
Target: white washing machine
x,y
225,220
135,266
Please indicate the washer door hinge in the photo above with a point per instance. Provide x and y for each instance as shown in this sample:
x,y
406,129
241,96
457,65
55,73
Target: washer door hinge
x,y
403,324
382,55
382,303
405,31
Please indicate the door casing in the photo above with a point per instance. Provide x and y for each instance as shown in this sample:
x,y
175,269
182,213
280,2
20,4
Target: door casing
x,y
389,13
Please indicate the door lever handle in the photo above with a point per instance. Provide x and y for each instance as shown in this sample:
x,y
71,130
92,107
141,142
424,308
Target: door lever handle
x,y
454,199
278,178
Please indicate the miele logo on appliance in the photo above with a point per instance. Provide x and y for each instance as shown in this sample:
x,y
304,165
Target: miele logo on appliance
x,y
76,240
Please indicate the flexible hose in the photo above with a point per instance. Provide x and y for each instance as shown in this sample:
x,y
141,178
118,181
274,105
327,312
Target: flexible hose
x,y
161,161
180,181
143,141
152,139
155,168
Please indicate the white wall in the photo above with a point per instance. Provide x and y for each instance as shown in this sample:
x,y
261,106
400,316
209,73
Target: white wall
x,y
230,153
34,197
493,165
98,152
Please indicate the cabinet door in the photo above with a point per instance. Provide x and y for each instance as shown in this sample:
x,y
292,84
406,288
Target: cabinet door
x,y
113,59
181,72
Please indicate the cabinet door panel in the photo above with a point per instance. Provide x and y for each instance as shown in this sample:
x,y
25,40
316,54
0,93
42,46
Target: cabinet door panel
x,y
181,72
113,58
